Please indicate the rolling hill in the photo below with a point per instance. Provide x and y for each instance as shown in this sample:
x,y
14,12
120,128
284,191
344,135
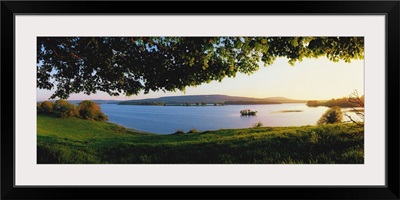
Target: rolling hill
x,y
193,99
212,99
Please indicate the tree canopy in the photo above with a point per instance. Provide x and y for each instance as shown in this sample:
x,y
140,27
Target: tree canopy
x,y
129,65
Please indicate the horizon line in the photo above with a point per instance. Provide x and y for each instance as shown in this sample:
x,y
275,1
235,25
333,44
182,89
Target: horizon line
x,y
186,96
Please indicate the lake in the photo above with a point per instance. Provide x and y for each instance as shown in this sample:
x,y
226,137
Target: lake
x,y
169,119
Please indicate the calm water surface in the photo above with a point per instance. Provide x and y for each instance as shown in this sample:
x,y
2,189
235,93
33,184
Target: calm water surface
x,y
169,119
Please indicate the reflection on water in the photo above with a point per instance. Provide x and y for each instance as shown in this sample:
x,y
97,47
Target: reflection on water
x,y
169,119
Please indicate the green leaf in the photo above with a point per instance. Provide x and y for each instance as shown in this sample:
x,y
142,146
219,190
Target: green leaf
x,y
263,41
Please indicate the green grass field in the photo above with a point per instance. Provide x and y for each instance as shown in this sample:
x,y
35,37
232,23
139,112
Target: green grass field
x,y
78,141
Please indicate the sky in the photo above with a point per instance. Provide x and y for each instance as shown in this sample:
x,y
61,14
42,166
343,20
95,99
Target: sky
x,y
311,79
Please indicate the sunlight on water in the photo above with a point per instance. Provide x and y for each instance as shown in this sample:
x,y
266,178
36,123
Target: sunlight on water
x,y
169,119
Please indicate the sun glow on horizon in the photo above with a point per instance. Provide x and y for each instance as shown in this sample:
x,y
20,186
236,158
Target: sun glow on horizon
x,y
311,79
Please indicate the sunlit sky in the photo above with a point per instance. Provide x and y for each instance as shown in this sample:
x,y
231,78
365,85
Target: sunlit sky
x,y
311,79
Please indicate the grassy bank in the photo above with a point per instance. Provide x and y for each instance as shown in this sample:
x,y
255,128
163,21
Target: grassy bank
x,y
75,140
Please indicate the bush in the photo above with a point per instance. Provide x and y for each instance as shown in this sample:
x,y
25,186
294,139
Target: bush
x,y
102,117
64,109
86,110
332,116
257,125
193,130
46,107
91,111
179,131
39,107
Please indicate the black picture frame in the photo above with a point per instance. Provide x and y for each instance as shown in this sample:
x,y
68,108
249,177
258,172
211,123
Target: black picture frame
x,y
11,8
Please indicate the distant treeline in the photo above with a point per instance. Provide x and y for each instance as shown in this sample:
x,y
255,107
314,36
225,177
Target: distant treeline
x,y
197,103
147,103
342,102
249,102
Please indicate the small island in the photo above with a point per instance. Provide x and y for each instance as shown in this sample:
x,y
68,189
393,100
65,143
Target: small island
x,y
247,112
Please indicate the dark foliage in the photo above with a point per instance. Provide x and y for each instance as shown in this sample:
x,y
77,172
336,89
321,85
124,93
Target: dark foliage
x,y
129,65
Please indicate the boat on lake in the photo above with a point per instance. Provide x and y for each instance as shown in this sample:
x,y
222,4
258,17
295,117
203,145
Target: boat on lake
x,y
247,112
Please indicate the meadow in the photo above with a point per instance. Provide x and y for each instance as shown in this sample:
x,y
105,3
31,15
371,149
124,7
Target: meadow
x,y
79,141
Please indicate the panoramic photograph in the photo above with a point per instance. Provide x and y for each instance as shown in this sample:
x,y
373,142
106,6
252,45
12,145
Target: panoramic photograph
x,y
200,100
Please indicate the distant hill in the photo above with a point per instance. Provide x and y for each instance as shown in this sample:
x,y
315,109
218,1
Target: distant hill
x,y
97,101
209,99
193,99
101,101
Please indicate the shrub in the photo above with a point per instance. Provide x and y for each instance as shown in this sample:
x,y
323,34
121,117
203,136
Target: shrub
x,y
331,116
91,111
102,117
257,125
46,107
193,130
39,107
64,109
179,131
